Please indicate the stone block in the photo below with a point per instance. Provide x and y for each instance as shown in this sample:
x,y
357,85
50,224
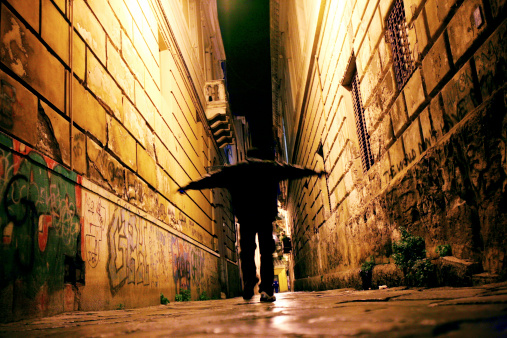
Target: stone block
x,y
363,55
387,89
103,86
428,133
384,50
136,124
385,7
144,104
55,30
412,8
417,37
153,91
412,141
146,166
459,96
375,30
162,154
437,117
373,113
435,65
88,113
119,70
414,93
371,79
90,29
490,60
18,113
165,184
399,115
29,10
453,271
59,132
79,152
123,15
384,167
463,30
27,57
341,192
121,143
79,57
497,8
162,130
144,52
149,37
104,169
137,13
132,59
381,138
437,12
61,5
397,158
107,19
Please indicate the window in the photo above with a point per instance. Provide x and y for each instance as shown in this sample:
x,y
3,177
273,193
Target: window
x,y
363,136
398,38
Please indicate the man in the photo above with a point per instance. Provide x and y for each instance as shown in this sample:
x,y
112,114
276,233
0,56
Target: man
x,y
254,200
253,185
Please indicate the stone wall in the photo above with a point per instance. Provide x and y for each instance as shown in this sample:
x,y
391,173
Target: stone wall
x,y
438,143
101,198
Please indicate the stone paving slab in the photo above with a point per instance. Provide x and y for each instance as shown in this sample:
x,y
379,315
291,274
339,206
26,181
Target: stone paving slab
x,y
398,312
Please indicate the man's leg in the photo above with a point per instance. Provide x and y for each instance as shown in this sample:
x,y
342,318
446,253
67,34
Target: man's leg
x,y
266,247
247,255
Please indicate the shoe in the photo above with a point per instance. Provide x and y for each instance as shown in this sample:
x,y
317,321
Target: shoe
x,y
248,290
267,298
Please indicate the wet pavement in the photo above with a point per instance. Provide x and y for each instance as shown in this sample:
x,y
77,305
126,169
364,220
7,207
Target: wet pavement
x,y
449,312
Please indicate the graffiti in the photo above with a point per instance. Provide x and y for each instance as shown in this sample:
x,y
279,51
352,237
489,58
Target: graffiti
x,y
78,145
39,218
127,250
144,255
113,172
459,98
95,215
188,264
395,169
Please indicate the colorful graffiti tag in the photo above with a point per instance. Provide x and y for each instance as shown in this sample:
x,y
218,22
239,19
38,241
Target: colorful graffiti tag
x,y
188,264
127,250
39,217
140,253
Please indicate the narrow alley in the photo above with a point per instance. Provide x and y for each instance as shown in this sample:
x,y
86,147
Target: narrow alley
x,y
114,112
398,312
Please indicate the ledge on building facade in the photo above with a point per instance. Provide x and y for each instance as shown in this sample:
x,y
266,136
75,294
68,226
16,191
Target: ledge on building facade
x,y
218,112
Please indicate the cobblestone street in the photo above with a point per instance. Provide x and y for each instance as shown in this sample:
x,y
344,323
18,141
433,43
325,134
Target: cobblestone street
x,y
455,312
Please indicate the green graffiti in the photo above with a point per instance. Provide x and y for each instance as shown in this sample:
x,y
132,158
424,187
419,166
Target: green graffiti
x,y
39,220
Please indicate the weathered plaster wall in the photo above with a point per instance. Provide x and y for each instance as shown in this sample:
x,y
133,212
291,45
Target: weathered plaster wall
x,y
438,143
104,192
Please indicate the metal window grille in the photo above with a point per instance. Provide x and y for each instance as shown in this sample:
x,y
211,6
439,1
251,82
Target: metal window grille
x,y
398,38
364,137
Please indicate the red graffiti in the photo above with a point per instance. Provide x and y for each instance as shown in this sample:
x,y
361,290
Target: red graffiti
x,y
45,222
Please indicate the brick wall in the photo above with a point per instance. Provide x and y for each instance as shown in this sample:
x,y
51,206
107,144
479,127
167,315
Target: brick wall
x,y
439,167
135,100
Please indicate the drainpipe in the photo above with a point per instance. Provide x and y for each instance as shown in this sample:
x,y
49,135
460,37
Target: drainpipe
x,y
71,77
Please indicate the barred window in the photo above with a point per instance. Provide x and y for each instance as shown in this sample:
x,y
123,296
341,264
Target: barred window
x,y
397,36
363,136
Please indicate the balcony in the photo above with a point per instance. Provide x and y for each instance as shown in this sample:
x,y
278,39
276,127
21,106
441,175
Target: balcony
x,y
218,112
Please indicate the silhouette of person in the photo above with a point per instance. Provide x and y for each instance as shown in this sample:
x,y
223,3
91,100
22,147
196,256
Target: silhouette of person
x,y
253,185
255,205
